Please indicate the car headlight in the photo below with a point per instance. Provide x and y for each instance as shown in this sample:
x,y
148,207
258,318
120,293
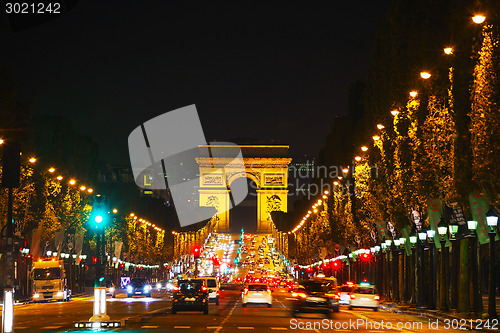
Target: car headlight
x,y
59,294
111,290
130,289
158,286
146,288
36,295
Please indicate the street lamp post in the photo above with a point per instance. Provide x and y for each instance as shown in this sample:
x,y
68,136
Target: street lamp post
x,y
395,259
492,221
476,294
455,252
383,272
389,289
413,242
433,269
422,236
443,286
405,291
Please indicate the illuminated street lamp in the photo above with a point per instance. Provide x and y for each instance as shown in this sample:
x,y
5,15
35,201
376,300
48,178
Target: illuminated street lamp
x,y
1,141
448,50
72,182
364,148
425,75
59,177
395,112
380,126
376,138
51,170
357,158
492,221
413,93
478,18
455,261
32,160
476,296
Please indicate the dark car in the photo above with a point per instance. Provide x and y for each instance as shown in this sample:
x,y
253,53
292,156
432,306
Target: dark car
x,y
139,286
316,295
190,295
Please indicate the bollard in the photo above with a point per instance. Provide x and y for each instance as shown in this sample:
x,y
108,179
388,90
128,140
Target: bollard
x,y
8,311
99,305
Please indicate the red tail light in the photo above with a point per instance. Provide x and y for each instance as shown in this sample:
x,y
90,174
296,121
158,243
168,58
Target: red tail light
x,y
353,296
203,288
217,294
176,288
376,297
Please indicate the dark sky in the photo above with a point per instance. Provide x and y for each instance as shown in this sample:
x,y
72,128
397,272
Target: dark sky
x,y
262,71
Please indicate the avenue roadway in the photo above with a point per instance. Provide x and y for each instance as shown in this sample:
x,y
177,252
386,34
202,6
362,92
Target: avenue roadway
x,y
153,315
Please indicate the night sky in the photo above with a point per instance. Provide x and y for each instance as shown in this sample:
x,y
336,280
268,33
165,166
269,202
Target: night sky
x,y
259,71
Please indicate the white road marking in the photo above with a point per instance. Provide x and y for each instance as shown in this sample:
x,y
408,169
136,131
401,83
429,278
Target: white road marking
x,y
245,328
51,327
213,327
182,326
227,317
150,326
278,328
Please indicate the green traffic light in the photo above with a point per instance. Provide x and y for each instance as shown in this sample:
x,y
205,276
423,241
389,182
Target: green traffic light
x,y
101,279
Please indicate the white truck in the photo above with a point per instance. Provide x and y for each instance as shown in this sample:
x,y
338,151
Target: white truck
x,y
49,281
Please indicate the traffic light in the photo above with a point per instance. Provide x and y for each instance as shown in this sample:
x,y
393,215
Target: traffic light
x,y
99,215
196,251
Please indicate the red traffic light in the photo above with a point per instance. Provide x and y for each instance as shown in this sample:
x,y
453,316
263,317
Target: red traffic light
x,y
196,251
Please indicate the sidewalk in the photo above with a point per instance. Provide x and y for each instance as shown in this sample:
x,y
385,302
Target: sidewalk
x,y
437,314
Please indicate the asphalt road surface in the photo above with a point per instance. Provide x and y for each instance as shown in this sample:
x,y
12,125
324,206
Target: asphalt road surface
x,y
153,315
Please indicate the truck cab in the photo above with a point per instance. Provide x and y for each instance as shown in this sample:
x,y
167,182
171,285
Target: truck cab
x,y
49,281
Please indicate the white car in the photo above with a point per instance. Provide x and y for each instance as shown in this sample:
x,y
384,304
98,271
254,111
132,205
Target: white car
x,y
345,293
257,293
364,295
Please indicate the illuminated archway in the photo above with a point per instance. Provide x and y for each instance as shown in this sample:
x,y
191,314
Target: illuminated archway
x,y
266,165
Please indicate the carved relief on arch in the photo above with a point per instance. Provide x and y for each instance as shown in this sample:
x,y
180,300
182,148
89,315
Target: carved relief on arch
x,y
253,175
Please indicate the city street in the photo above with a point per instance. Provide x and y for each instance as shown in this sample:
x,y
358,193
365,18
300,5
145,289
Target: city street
x,y
153,314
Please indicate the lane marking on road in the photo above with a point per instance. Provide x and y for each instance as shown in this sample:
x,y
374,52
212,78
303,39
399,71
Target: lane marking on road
x,y
20,328
51,327
279,328
150,326
227,317
245,327
182,326
213,327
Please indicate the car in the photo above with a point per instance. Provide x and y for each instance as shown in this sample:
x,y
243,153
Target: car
x,y
212,285
319,295
190,295
345,293
110,289
139,286
257,293
364,295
